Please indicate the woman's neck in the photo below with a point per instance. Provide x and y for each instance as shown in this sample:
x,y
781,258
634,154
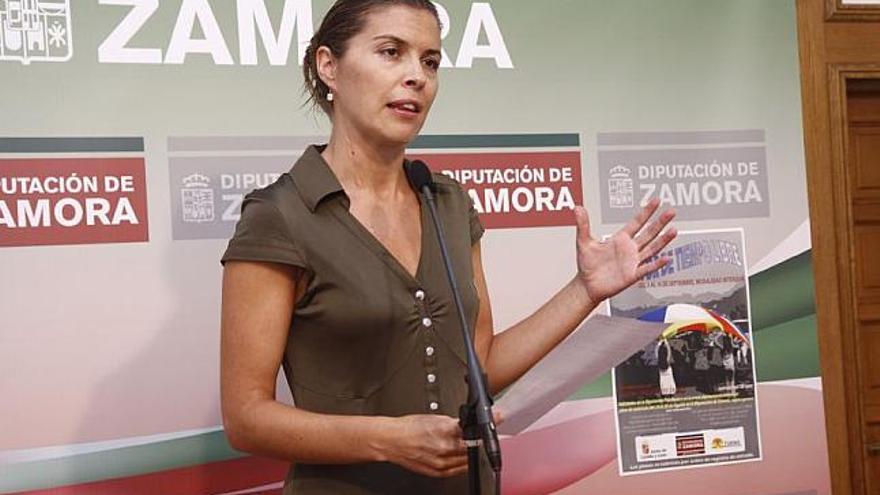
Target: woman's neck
x,y
364,168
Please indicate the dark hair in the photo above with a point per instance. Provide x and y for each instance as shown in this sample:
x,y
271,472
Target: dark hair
x,y
344,20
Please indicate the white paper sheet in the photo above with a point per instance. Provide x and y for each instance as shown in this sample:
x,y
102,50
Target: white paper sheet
x,y
599,344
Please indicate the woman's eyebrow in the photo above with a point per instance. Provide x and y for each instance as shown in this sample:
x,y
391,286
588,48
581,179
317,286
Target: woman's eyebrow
x,y
401,41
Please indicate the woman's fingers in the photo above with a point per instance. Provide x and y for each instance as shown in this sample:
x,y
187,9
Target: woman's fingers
x,y
451,447
446,463
635,225
649,233
454,470
658,244
449,458
436,447
497,416
447,439
638,228
582,221
646,268
437,472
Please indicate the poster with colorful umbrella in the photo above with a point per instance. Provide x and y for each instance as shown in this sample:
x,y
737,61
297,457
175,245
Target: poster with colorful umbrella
x,y
683,318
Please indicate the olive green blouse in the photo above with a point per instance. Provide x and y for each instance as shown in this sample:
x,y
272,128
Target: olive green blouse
x,y
367,338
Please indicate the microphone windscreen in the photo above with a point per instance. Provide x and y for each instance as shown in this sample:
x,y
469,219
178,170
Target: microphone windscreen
x,y
419,175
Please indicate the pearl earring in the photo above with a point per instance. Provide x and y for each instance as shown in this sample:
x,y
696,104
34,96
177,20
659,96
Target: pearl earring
x,y
330,96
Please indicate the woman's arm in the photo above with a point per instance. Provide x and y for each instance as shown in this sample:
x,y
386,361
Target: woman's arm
x,y
604,269
508,355
258,304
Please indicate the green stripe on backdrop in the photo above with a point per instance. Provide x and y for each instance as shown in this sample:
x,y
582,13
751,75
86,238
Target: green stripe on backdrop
x,y
601,387
494,141
783,292
788,350
72,145
117,463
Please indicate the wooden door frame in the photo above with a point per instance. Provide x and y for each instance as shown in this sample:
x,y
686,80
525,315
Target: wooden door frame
x,y
823,29
841,203
836,10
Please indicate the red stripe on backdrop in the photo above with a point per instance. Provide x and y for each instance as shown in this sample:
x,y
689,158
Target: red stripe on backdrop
x,y
203,479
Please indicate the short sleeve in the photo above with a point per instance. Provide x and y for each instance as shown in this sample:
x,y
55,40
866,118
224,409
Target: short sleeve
x,y
262,235
476,226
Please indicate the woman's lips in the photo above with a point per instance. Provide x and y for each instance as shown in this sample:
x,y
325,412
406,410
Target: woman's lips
x,y
405,108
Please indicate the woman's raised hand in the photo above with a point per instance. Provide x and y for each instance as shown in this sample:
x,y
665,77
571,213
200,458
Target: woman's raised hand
x,y
607,267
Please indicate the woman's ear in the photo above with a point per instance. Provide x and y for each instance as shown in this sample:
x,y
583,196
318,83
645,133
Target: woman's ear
x,y
325,62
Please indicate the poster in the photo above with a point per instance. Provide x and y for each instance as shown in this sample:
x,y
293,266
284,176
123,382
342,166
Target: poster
x,y
688,399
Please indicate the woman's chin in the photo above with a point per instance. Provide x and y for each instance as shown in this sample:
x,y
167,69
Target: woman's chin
x,y
398,137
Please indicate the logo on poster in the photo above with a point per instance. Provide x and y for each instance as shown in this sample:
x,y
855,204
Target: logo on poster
x,y
686,445
620,187
197,199
727,441
652,448
35,31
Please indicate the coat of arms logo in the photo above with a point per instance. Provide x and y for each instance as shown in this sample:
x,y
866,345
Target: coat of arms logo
x,y
197,199
620,187
35,30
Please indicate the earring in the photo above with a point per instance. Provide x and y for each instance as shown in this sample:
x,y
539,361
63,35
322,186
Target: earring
x,y
330,96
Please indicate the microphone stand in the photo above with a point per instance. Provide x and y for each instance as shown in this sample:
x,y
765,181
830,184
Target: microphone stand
x,y
475,416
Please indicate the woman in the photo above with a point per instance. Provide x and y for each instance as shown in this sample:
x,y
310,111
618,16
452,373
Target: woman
x,y
334,274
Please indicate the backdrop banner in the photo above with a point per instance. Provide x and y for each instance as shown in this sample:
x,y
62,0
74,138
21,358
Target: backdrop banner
x,y
130,130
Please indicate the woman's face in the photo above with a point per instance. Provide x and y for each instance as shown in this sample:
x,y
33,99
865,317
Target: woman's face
x,y
385,82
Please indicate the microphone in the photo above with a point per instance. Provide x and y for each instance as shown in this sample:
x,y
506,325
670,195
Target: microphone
x,y
479,406
419,176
